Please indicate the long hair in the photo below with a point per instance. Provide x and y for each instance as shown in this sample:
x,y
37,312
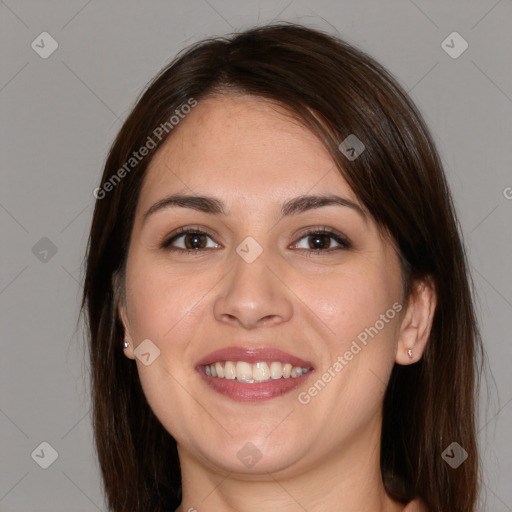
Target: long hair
x,y
336,91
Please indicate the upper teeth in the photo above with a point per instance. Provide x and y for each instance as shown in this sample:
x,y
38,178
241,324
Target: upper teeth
x,y
257,372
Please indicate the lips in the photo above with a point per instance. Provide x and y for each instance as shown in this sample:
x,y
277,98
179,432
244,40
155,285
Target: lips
x,y
242,387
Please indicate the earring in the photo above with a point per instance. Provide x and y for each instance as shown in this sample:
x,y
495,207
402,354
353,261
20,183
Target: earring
x,y
126,344
409,353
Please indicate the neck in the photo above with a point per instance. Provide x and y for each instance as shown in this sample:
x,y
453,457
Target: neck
x,y
348,479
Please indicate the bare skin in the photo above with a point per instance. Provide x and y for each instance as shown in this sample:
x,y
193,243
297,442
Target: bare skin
x,y
316,454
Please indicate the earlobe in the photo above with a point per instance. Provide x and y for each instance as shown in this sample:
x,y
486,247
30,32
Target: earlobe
x,y
416,322
120,308
127,342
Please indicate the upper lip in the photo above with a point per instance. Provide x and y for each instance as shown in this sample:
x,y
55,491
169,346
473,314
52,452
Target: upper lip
x,y
253,355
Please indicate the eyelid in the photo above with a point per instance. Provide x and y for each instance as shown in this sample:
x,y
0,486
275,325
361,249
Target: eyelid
x,y
340,238
183,231
343,241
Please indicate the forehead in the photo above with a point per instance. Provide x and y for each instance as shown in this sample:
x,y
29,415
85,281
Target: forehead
x,y
244,146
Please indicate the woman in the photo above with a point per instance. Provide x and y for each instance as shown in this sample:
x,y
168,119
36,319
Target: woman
x,y
277,292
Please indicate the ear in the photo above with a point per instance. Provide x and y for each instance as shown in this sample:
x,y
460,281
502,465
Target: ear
x,y
416,322
121,312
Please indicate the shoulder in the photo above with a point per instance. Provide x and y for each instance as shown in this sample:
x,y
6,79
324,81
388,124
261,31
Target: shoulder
x,y
416,505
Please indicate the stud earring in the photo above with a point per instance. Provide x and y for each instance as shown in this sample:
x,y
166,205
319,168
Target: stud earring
x,y
409,353
126,344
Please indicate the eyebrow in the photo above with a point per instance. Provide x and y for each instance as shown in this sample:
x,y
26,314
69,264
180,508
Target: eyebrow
x,y
213,206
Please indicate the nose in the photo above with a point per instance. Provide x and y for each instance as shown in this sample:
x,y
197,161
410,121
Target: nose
x,y
253,295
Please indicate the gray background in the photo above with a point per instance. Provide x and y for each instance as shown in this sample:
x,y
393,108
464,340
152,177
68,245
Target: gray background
x,y
59,116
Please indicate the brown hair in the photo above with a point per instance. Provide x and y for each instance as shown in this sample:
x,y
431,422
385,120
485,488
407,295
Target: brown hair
x,y
336,90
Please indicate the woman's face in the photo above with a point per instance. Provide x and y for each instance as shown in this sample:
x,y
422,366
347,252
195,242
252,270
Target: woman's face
x,y
259,296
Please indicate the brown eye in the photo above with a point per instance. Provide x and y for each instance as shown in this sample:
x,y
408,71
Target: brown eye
x,y
188,240
195,240
321,240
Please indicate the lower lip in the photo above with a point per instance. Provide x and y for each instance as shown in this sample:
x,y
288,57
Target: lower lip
x,y
246,392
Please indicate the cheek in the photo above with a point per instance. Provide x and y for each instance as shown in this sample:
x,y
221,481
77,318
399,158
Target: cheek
x,y
162,301
165,307
356,299
361,307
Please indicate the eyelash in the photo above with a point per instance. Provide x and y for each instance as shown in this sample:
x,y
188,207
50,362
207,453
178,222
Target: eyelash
x,y
343,242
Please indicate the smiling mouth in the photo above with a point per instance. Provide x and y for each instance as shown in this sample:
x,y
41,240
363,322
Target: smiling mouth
x,y
253,374
261,371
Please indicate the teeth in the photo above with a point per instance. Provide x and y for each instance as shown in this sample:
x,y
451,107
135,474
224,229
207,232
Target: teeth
x,y
296,371
259,372
229,370
276,370
244,371
219,370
